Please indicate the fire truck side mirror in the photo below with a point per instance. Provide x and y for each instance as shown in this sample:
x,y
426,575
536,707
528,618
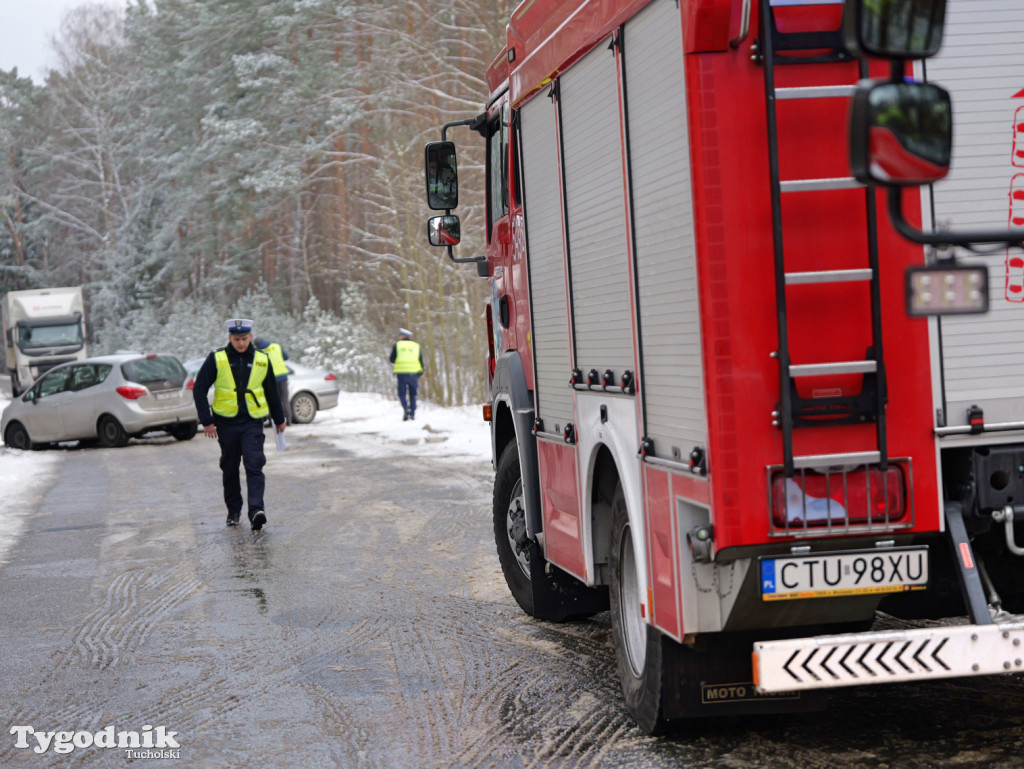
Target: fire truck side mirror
x,y
442,176
893,29
444,230
900,133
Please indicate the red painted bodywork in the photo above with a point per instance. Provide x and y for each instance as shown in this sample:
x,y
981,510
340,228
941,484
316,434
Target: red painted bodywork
x,y
561,502
661,550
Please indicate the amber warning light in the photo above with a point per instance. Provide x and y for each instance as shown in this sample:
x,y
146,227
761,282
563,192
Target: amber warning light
x,y
947,289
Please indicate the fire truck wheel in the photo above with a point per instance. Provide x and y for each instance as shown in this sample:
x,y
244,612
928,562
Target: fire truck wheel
x,y
510,528
541,591
639,648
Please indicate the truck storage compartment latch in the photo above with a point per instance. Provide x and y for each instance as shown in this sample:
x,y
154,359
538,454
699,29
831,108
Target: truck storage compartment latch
x,y
976,419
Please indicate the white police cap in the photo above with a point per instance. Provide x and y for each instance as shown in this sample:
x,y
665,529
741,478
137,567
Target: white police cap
x,y
404,332
239,325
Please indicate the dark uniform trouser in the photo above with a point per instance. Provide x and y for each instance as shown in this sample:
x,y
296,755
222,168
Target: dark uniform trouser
x,y
282,389
242,442
410,383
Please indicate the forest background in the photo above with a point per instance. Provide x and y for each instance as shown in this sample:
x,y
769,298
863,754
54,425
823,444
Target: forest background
x,y
191,160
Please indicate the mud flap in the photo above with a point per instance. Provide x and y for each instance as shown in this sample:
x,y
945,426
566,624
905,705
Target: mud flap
x,y
557,596
714,677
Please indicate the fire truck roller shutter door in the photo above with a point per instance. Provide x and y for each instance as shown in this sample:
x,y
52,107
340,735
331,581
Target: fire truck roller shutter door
x,y
595,212
665,251
979,193
543,208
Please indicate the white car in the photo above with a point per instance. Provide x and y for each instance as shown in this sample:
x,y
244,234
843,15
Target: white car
x,y
309,389
107,399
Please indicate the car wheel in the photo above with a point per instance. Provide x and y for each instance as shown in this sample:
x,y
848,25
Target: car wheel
x,y
17,437
112,435
303,408
184,432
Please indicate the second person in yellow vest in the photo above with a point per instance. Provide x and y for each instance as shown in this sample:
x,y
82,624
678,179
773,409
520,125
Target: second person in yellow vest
x,y
278,356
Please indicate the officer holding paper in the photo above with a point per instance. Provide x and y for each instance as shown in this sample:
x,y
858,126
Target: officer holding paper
x,y
245,393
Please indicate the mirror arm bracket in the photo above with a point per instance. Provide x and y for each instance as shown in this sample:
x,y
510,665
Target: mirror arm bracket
x,y
479,261
1011,238
472,122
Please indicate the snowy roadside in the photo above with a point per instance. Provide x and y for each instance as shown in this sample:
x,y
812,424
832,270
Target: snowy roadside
x,y
23,474
373,425
367,423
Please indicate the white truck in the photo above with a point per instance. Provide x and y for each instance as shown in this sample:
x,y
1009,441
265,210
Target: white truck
x,y
43,327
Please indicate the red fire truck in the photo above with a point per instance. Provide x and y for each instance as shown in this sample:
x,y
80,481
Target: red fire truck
x,y
740,396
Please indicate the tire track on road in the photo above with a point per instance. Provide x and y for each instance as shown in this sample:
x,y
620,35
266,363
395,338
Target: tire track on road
x,y
122,623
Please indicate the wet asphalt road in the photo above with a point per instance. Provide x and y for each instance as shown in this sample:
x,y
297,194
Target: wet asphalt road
x,y
367,626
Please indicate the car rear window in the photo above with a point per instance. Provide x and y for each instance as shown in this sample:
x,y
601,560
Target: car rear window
x,y
161,372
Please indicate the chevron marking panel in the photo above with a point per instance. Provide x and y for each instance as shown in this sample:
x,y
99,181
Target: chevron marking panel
x,y
824,662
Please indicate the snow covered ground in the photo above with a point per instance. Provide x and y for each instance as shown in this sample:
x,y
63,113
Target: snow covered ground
x,y
368,423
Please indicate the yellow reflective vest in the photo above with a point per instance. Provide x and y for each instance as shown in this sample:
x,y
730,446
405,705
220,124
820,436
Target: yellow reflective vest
x,y
276,359
407,357
225,396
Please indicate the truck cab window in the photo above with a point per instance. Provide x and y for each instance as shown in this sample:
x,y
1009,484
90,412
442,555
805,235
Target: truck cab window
x,y
497,175
517,176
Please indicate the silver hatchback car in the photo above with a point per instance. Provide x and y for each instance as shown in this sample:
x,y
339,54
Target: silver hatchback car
x,y
107,399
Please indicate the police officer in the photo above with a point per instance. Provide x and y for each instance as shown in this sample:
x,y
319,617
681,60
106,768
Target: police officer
x,y
278,356
244,394
407,358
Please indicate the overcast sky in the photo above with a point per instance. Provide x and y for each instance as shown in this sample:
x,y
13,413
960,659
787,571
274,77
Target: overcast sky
x,y
26,27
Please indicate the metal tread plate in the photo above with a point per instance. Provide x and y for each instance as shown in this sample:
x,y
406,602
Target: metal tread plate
x,y
889,656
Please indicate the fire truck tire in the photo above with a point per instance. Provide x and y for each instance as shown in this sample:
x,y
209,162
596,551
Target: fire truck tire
x,y
641,652
542,592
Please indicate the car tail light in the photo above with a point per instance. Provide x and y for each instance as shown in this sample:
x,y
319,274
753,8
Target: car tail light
x,y
132,393
330,378
190,385
859,496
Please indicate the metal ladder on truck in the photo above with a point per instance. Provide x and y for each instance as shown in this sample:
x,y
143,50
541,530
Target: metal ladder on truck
x,y
870,404
795,411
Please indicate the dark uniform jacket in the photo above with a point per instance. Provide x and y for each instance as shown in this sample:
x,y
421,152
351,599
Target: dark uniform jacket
x,y
241,365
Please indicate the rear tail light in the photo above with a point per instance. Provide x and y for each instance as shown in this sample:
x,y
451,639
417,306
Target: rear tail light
x,y
132,393
190,385
859,496
330,378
